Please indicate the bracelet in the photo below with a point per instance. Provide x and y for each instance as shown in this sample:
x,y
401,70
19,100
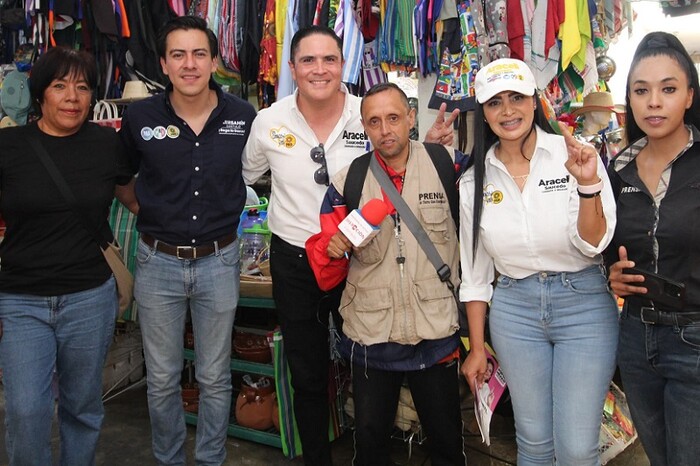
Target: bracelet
x,y
587,195
590,188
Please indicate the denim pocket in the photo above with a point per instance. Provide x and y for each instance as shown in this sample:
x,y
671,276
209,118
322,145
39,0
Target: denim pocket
x,y
505,282
690,334
230,255
144,252
589,283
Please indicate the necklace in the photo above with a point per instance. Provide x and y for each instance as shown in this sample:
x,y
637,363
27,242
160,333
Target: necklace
x,y
520,180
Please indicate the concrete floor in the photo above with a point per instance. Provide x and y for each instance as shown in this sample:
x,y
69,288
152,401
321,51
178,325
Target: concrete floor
x,y
125,441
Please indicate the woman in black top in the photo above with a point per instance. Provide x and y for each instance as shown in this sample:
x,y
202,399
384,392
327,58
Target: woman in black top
x,y
657,181
58,299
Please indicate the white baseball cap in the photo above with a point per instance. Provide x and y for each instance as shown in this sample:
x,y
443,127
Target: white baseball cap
x,y
504,74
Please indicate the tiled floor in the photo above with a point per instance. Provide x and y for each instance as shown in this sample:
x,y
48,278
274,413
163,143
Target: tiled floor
x,y
125,441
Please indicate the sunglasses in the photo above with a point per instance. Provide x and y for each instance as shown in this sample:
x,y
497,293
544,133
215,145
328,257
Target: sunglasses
x,y
318,155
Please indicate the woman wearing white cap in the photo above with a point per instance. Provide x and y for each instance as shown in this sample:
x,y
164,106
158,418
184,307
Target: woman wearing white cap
x,y
538,208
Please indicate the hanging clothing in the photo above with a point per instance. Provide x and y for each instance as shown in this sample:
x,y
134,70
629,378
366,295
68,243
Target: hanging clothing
x,y
459,62
495,21
252,16
285,84
371,71
575,32
353,45
544,60
146,17
281,7
267,74
516,29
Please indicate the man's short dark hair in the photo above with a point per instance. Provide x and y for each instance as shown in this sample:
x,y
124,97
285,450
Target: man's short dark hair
x,y
309,31
186,23
58,63
382,87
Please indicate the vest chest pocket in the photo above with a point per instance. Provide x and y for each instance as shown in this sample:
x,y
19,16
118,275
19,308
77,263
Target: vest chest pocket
x,y
434,219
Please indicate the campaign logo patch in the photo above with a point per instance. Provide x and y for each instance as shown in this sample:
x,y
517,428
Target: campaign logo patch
x,y
146,133
172,131
232,128
492,195
283,137
159,132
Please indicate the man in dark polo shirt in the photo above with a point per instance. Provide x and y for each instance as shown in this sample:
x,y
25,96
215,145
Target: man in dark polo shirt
x,y
186,146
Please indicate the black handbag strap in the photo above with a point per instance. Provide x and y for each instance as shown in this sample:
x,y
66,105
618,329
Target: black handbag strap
x,y
65,191
410,220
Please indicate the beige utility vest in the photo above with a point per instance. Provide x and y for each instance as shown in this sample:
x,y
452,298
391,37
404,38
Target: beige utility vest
x,y
380,304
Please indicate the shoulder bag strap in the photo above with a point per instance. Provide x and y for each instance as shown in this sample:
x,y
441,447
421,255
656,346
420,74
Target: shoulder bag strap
x,y
64,189
355,180
410,220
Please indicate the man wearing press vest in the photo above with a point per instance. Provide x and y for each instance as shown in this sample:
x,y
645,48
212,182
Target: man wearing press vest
x,y
399,314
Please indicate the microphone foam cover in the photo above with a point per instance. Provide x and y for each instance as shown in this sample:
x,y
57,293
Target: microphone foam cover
x,y
374,211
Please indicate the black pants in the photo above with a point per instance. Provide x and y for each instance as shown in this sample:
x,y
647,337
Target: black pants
x,y
435,394
303,312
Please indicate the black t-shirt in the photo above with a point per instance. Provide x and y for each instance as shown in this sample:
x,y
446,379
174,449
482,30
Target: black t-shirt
x,y
47,251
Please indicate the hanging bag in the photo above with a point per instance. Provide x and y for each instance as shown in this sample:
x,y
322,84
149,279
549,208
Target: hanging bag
x,y
106,114
110,249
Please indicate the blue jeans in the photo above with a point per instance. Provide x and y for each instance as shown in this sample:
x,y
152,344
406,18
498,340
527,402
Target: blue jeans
x,y
660,372
165,288
555,336
72,334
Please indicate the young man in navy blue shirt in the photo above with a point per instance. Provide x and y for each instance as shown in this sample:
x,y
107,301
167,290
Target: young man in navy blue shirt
x,y
186,146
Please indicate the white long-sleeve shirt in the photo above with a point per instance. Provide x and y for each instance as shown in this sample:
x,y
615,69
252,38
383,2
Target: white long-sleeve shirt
x,y
529,232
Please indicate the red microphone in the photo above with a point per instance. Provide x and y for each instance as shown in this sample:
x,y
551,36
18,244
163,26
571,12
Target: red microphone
x,y
361,226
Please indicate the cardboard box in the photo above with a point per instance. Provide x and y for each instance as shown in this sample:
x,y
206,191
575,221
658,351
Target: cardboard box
x,y
255,286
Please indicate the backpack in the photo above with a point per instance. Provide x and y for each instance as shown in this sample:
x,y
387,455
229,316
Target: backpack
x,y
444,165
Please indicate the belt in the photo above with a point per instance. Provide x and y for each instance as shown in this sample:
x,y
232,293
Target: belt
x,y
188,252
649,315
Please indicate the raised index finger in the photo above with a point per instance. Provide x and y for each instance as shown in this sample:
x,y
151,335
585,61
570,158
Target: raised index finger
x,y
568,137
